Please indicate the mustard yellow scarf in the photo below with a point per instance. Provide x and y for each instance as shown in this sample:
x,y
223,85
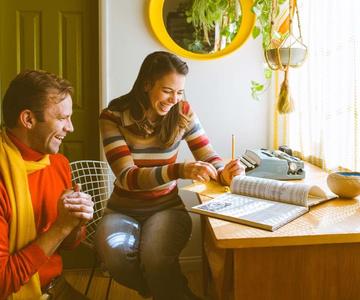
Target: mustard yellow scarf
x,y
14,171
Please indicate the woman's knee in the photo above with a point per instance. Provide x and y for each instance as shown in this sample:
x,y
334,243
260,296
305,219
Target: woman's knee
x,y
117,240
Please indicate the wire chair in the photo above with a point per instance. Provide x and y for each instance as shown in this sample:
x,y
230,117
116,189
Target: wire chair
x,y
97,180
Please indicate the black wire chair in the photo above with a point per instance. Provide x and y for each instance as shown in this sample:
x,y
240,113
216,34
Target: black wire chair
x,y
96,179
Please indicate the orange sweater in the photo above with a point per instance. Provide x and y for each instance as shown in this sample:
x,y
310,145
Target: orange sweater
x,y
46,186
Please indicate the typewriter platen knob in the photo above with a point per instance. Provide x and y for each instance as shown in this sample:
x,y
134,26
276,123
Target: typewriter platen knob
x,y
293,167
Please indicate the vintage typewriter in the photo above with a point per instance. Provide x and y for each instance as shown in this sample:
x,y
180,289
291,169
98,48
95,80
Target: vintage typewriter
x,y
273,164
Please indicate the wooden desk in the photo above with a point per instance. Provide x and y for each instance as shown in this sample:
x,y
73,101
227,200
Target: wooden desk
x,y
317,256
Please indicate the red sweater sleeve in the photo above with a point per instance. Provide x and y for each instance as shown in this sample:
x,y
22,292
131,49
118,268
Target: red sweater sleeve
x,y
15,269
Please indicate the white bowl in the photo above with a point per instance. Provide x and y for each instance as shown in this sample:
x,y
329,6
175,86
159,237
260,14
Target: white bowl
x,y
344,184
297,56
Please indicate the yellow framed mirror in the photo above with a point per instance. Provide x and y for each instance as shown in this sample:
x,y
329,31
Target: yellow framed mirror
x,y
157,24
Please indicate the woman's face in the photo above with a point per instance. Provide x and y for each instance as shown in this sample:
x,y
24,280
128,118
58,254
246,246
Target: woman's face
x,y
164,94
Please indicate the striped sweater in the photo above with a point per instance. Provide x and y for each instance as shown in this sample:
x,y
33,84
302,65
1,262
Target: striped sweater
x,y
143,168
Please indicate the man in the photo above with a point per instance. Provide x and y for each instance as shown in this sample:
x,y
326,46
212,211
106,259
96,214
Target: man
x,y
39,212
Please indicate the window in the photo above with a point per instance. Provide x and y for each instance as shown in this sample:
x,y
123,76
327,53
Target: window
x,y
325,126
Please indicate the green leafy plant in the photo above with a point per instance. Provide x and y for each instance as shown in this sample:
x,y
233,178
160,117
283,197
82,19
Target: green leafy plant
x,y
258,88
262,9
216,22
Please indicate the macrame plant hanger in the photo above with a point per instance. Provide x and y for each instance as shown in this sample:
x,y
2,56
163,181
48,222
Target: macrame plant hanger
x,y
284,51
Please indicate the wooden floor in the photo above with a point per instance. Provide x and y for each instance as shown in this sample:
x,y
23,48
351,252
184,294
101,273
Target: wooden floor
x,y
98,288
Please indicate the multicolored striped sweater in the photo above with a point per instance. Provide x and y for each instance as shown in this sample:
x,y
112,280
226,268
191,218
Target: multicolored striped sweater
x,y
145,170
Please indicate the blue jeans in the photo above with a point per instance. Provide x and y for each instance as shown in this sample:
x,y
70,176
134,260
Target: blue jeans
x,y
143,253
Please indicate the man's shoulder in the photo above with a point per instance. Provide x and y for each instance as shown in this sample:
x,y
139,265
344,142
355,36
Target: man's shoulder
x,y
60,166
59,159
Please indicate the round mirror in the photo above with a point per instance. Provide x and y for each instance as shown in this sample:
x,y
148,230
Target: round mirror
x,y
201,29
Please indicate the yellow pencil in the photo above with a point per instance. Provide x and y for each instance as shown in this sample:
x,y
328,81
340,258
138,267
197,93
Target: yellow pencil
x,y
232,147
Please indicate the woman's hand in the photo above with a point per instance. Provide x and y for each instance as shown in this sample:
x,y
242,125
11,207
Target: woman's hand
x,y
233,168
200,171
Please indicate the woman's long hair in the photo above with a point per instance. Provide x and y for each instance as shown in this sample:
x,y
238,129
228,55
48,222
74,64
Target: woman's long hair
x,y
154,66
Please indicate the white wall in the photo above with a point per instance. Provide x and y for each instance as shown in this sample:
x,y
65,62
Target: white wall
x,y
218,90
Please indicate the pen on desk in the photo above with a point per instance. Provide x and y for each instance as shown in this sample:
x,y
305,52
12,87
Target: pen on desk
x,y
232,147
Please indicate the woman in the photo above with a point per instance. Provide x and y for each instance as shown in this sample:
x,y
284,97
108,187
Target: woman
x,y
146,225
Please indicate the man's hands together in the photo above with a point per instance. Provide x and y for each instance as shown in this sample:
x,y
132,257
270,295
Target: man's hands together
x,y
74,208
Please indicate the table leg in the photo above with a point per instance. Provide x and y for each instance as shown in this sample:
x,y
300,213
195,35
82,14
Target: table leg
x,y
219,268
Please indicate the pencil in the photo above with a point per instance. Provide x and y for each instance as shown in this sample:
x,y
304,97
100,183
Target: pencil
x,y
232,147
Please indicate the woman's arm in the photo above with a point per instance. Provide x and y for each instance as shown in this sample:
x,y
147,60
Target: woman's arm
x,y
198,141
202,150
146,169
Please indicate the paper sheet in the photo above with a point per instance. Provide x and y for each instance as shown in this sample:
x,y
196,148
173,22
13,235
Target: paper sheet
x,y
211,189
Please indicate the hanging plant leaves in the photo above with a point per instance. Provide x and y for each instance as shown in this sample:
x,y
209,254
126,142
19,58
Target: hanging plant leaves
x,y
255,32
212,16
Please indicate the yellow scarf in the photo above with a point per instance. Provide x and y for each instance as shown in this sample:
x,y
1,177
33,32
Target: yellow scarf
x,y
14,171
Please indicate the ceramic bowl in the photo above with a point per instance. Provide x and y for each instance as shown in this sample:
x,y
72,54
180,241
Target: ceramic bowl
x,y
297,56
344,184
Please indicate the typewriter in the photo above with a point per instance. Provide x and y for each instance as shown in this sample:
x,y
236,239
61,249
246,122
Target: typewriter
x,y
273,164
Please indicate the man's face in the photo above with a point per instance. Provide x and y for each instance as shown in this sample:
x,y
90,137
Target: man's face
x,y
46,136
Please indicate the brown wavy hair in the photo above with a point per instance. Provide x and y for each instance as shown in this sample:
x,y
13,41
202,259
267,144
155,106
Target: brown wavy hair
x,y
154,66
30,89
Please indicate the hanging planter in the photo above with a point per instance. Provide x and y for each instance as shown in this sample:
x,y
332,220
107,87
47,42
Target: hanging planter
x,y
278,58
283,48
288,51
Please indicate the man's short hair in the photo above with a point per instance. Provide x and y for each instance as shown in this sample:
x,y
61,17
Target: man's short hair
x,y
30,90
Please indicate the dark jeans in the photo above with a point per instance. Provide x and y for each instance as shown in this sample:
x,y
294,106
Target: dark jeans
x,y
143,253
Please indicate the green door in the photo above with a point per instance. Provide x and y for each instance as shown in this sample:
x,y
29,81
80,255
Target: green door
x,y
60,37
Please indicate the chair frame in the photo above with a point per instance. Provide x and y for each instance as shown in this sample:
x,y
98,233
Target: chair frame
x,y
96,179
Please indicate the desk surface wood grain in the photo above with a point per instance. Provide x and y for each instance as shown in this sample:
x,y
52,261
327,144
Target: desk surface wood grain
x,y
336,221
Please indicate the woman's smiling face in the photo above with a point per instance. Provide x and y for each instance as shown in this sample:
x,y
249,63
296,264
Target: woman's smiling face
x,y
164,94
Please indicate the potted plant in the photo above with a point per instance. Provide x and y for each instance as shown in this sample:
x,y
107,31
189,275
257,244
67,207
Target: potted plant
x,y
262,9
215,21
282,47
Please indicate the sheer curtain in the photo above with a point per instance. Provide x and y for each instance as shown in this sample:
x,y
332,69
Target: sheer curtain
x,y
325,126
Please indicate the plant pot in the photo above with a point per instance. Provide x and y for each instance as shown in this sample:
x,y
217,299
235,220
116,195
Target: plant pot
x,y
294,57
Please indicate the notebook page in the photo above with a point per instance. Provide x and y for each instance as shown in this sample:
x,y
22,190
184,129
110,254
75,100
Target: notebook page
x,y
288,192
260,213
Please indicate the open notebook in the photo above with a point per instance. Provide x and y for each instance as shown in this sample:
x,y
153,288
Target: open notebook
x,y
263,203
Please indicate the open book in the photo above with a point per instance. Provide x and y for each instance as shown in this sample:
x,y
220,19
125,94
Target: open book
x,y
263,203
